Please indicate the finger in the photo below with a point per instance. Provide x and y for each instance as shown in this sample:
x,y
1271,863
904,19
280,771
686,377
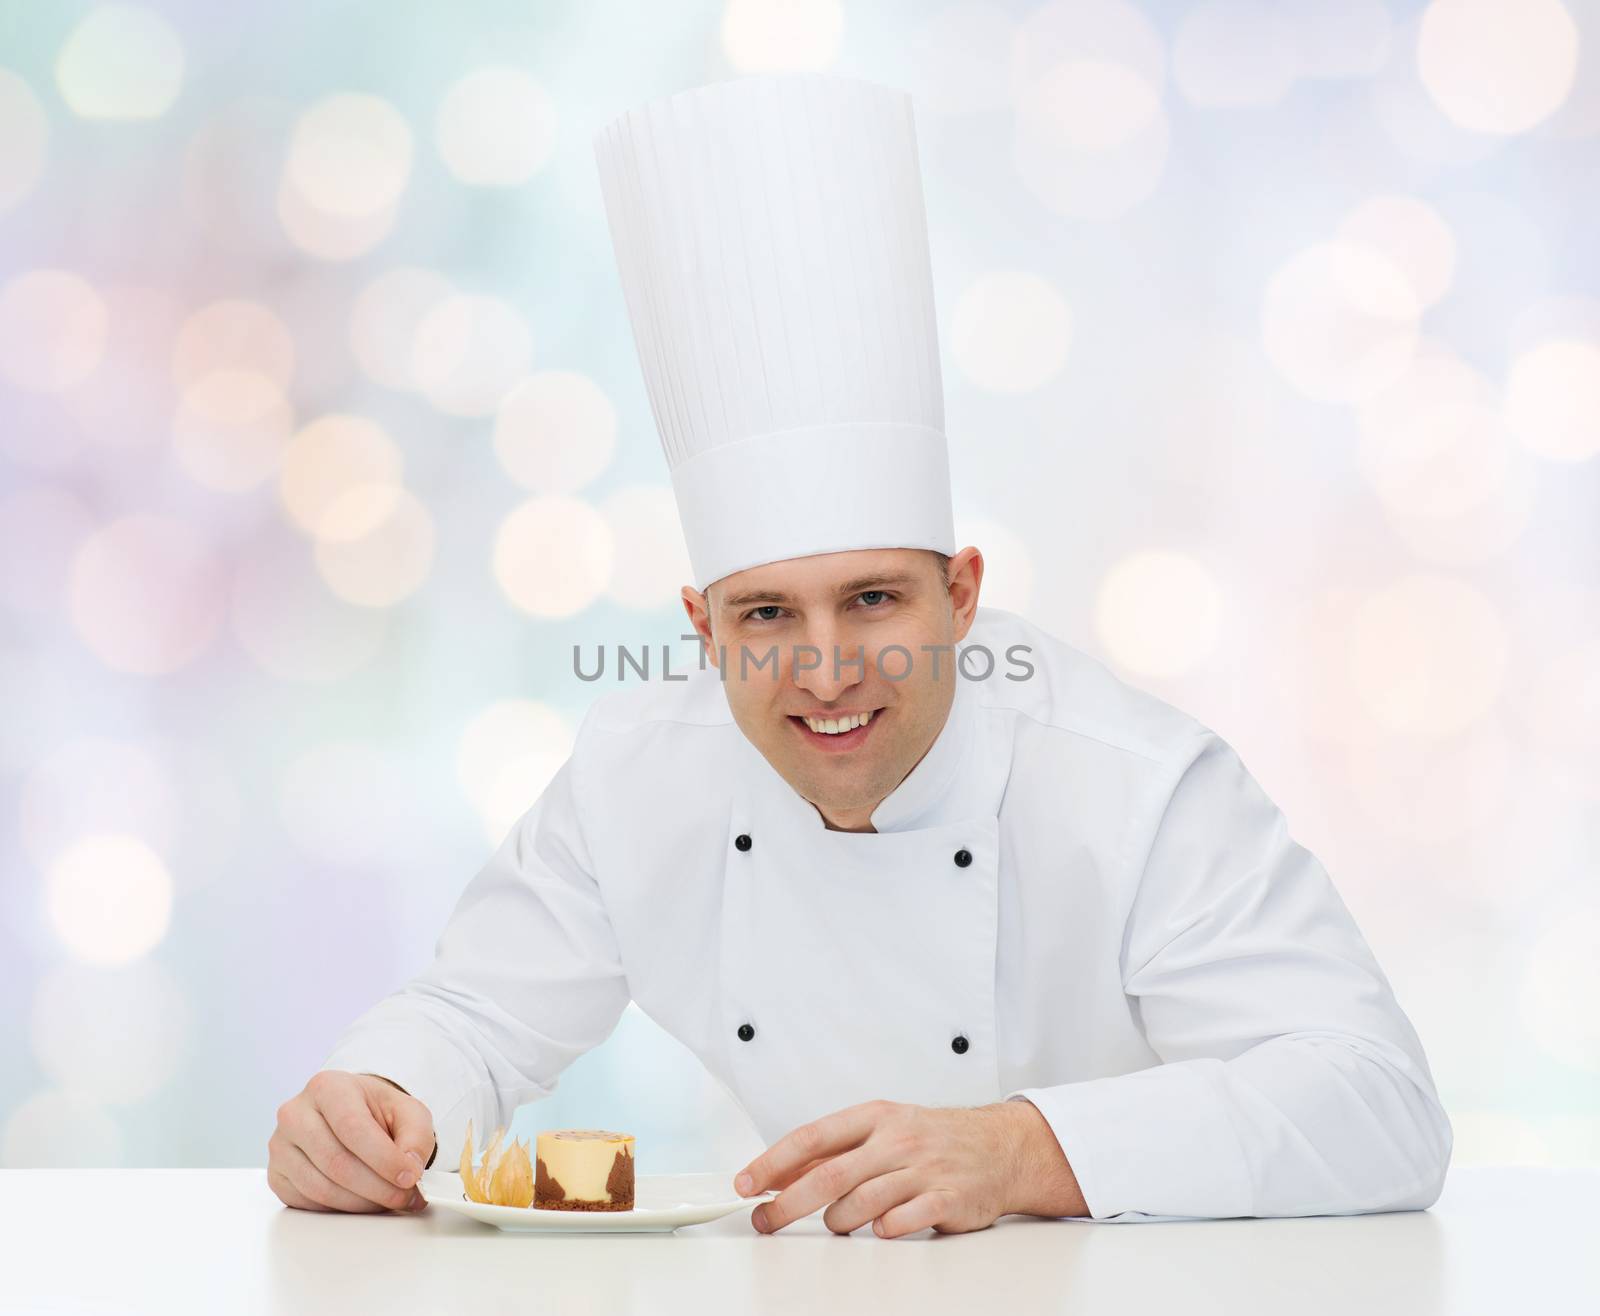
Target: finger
x,y
409,1124
871,1199
289,1195
822,1185
821,1138
921,1212
357,1128
336,1161
318,1187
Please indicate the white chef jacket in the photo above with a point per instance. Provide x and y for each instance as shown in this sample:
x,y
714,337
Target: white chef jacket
x,y
1079,897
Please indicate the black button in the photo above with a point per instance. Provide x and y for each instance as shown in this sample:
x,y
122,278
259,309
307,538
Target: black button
x,y
746,1032
963,858
741,841
959,1046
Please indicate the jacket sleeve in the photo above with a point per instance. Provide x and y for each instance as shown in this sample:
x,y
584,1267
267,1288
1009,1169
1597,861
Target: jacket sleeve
x,y
526,977
1292,1083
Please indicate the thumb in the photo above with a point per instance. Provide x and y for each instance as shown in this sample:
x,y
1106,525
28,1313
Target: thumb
x,y
410,1125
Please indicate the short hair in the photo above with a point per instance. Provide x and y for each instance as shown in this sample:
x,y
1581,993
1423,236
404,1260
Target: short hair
x,y
943,561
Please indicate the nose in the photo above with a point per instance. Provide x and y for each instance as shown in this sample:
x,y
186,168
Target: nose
x,y
826,664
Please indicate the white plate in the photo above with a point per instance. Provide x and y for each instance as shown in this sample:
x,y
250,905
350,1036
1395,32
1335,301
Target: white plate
x,y
661,1202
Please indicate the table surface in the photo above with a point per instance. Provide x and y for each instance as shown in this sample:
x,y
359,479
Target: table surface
x,y
174,1241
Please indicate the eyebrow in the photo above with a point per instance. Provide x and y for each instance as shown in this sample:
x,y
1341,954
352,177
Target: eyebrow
x,y
857,586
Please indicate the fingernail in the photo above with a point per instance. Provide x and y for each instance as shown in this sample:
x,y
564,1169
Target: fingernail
x,y
406,1178
759,1217
415,1160
744,1183
877,1228
417,1202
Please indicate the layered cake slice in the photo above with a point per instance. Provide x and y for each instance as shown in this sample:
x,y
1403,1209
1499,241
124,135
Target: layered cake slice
x,y
583,1170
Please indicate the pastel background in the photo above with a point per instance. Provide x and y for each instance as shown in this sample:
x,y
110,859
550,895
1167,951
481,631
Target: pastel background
x,y
1271,336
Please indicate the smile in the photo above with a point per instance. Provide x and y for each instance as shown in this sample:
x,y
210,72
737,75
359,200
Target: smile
x,y
835,734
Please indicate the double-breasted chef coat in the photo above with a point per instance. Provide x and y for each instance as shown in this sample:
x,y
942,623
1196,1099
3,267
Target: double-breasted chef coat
x,y
1079,897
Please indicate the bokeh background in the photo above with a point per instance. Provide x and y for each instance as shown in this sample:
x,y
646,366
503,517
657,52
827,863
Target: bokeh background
x,y
1271,334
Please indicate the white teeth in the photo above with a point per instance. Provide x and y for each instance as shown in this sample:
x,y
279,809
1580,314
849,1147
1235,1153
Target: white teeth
x,y
833,726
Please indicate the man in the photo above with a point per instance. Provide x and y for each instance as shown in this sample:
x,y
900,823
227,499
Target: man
x,y
964,938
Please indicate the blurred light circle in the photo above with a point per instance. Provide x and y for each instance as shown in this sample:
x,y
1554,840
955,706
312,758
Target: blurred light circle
x,y
1093,105
1553,398
110,1035
350,155
1087,77
120,62
1435,791
146,595
1234,52
131,400
1091,138
94,786
468,353
41,528
1217,402
109,898
330,457
507,756
1008,570
1437,450
1348,40
1339,321
651,560
555,431
285,619
1560,990
375,545
771,35
1010,331
330,236
1412,236
961,59
495,127
26,132
1494,67
1428,655
57,1130
231,430
1313,670
1158,613
52,330
1061,31
347,803
553,556
233,335
385,319
1433,441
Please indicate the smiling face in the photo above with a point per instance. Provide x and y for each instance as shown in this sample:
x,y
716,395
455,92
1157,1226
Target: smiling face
x,y
801,641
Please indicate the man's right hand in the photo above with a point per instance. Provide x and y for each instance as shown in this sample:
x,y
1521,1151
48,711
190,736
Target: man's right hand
x,y
350,1142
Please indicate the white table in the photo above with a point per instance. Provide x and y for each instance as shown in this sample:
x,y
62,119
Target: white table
x,y
1500,1241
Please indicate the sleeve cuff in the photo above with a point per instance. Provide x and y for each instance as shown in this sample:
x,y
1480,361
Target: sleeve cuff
x,y
1155,1143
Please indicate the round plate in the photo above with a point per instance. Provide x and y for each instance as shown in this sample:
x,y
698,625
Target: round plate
x,y
661,1202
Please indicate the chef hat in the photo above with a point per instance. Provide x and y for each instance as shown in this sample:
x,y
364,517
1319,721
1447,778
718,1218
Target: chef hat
x,y
773,252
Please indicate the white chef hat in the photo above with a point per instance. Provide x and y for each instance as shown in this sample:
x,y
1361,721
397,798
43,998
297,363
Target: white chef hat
x,y
773,252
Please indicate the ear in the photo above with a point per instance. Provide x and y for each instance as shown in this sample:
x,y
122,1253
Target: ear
x,y
698,608
965,575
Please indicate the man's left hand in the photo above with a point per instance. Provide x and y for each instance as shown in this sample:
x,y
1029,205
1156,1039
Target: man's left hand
x,y
907,1167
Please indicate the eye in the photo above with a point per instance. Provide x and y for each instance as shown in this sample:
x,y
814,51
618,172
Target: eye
x,y
758,613
873,597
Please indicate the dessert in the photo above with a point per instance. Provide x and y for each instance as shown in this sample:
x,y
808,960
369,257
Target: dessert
x,y
584,1170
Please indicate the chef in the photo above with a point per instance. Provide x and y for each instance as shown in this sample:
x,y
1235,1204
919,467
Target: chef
x,y
967,925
